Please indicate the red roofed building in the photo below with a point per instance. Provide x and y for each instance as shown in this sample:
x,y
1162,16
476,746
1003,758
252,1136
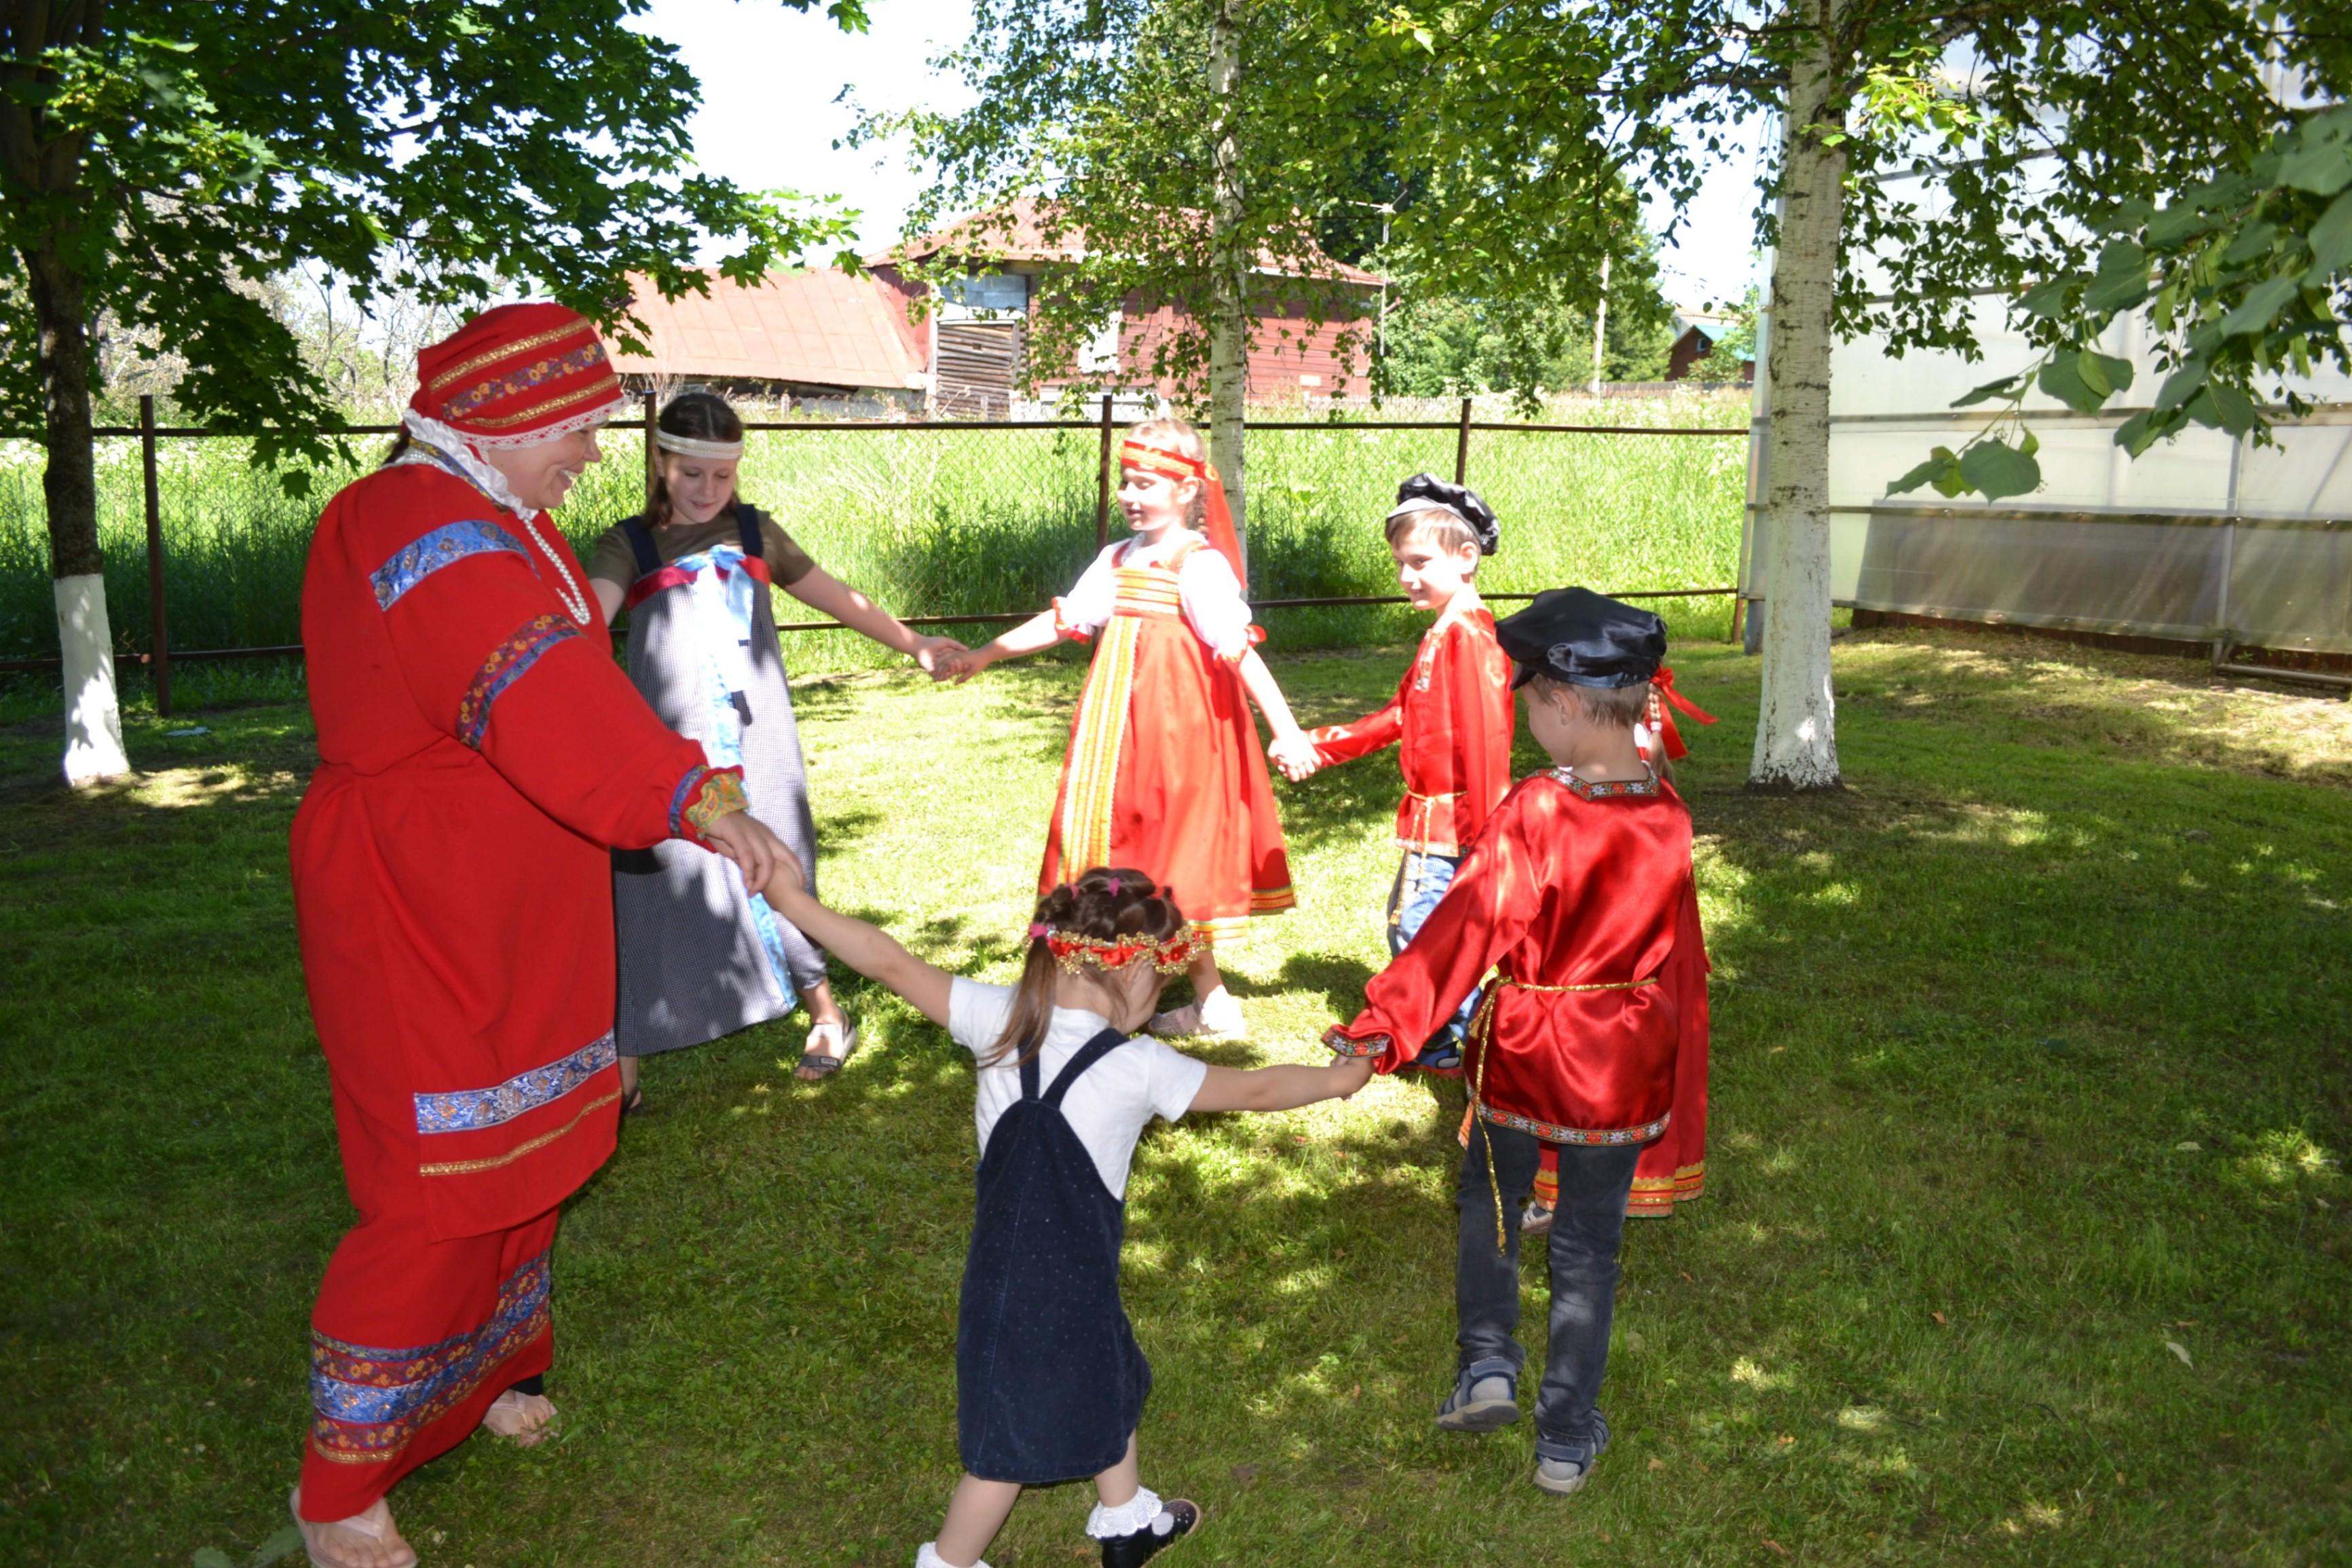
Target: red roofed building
x,y
972,343
810,336
848,344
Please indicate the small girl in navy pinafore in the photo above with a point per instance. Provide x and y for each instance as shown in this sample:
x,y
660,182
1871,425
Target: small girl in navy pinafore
x,y
1050,1381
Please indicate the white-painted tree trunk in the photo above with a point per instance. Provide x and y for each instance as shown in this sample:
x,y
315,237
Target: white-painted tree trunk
x,y
1229,273
93,718
1796,728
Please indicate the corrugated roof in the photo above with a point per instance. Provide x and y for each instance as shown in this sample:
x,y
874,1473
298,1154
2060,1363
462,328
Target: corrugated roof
x,y
814,328
1019,234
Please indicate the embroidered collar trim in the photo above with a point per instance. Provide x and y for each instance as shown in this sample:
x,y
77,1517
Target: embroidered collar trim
x,y
1603,789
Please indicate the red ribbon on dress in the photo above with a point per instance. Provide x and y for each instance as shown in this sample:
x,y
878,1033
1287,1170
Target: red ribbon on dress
x,y
1663,685
669,577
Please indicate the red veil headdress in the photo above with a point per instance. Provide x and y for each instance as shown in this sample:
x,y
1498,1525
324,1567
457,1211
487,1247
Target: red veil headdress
x,y
1662,686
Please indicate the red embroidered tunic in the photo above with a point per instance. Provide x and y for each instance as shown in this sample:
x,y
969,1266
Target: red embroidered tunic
x,y
1450,721
479,752
1581,895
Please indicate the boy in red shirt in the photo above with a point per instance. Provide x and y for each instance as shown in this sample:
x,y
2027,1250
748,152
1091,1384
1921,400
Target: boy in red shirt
x,y
1580,893
1674,1169
1449,719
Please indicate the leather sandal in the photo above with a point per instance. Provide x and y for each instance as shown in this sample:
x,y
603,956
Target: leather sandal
x,y
818,1062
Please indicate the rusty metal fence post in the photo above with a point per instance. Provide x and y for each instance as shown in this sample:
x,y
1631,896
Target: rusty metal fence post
x,y
653,467
1461,448
159,631
1102,482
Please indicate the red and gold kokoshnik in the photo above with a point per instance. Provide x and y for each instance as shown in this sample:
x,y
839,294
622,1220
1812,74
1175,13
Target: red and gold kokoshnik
x,y
518,373
1160,460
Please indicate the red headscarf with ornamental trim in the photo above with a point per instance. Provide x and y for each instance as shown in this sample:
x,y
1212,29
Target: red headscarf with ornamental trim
x,y
1217,519
516,375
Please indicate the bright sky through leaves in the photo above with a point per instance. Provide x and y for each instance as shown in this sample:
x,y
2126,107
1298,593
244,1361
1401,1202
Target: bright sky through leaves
x,y
771,78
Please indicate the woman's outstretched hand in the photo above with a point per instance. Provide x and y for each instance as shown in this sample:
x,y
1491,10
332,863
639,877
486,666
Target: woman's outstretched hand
x,y
750,843
935,655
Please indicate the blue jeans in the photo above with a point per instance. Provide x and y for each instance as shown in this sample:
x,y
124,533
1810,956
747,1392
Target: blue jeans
x,y
1420,882
1595,1181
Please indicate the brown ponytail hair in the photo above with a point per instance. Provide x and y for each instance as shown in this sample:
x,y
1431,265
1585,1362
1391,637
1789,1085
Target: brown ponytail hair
x,y
1104,904
698,416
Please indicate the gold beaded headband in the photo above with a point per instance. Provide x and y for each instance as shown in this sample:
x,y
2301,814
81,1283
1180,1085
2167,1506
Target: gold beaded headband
x,y
1167,954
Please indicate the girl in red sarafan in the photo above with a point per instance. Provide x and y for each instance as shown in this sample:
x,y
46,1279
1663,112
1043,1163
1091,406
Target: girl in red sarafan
x,y
479,754
1164,772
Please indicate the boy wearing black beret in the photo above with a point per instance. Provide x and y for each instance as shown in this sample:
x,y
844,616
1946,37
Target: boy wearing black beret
x,y
1579,895
1449,719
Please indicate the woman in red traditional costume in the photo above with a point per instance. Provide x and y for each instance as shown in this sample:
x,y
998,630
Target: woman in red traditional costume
x,y
479,754
1164,772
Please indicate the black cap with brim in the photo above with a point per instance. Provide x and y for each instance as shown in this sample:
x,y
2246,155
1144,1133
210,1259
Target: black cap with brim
x,y
1583,638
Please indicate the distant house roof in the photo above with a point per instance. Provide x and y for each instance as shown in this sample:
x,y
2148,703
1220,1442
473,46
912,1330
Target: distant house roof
x,y
814,328
1708,324
1019,233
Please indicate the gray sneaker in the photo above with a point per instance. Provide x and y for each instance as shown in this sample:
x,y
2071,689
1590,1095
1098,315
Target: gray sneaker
x,y
1485,1397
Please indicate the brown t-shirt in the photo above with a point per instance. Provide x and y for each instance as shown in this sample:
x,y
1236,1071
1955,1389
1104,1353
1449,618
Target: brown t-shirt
x,y
611,560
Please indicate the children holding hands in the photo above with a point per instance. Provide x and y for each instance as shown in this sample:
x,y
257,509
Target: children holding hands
x,y
1050,1382
1579,893
1449,719
1163,770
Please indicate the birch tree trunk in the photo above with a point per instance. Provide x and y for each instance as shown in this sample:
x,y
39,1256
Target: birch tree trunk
x,y
70,488
1229,272
1796,731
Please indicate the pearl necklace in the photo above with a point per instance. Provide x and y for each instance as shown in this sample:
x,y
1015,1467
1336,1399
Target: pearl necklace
x,y
572,597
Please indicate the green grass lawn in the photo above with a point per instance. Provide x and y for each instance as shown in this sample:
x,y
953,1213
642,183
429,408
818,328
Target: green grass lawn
x,y
2025,1239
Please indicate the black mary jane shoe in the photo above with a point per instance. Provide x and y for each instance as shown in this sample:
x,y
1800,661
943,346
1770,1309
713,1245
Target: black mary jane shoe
x,y
1133,1550
635,1102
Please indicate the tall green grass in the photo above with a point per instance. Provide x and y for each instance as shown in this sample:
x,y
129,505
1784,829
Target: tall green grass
x,y
947,522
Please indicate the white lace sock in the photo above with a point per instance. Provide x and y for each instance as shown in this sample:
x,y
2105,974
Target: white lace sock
x,y
928,1556
1142,1509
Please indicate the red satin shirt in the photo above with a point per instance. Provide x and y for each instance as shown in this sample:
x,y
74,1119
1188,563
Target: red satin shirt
x,y
1450,721
1581,895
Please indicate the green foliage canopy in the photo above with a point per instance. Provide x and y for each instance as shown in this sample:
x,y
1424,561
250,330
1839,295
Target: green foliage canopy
x,y
1102,111
2246,278
159,158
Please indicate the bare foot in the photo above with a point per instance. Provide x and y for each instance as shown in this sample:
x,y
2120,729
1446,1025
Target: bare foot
x,y
367,1540
523,1417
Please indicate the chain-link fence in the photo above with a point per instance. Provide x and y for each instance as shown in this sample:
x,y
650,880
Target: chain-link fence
x,y
957,523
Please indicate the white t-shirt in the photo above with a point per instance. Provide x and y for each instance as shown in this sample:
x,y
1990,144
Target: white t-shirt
x,y
1111,1102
